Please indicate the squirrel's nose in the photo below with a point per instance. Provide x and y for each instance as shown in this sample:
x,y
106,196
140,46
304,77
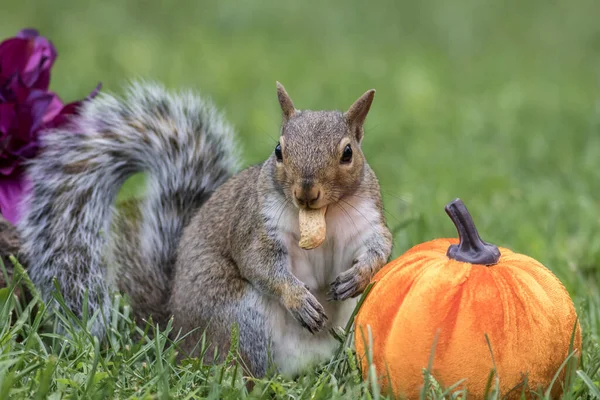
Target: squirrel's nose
x,y
307,196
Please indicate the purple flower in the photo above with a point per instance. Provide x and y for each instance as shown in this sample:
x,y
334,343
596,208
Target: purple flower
x,y
27,109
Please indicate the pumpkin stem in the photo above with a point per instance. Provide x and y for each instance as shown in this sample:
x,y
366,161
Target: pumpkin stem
x,y
471,248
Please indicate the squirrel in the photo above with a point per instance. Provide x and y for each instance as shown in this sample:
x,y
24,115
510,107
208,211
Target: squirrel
x,y
210,245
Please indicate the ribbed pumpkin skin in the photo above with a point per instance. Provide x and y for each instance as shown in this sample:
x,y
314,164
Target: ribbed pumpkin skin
x,y
524,309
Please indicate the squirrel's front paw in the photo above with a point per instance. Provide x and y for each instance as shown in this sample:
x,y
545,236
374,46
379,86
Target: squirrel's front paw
x,y
350,283
308,311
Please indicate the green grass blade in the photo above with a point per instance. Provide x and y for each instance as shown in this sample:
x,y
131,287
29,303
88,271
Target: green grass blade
x,y
594,391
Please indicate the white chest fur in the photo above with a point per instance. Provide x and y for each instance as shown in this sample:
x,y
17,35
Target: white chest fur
x,y
348,224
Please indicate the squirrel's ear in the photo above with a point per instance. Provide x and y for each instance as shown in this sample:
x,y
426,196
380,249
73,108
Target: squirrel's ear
x,y
357,113
287,106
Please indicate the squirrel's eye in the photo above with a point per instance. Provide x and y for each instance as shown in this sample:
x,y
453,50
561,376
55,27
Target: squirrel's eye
x,y
278,152
346,155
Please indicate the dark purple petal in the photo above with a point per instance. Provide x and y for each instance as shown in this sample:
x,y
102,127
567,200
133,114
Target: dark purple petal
x,y
27,110
7,170
12,191
8,120
37,71
54,109
14,54
17,90
28,33
27,150
39,108
7,164
63,118
29,55
46,106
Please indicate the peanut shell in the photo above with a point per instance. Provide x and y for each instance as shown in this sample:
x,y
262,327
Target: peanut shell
x,y
312,227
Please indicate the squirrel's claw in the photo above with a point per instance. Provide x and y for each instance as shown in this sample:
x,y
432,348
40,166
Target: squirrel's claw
x,y
348,284
310,313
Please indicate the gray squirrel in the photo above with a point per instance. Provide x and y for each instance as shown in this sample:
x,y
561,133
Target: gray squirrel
x,y
210,245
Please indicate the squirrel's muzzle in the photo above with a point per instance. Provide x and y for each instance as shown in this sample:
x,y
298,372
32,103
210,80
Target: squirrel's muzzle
x,y
307,194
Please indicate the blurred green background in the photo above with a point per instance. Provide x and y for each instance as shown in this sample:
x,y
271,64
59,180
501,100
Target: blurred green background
x,y
495,102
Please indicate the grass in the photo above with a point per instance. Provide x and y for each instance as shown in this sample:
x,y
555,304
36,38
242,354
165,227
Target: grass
x,y
492,102
133,363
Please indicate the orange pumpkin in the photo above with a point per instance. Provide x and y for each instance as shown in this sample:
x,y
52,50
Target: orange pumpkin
x,y
458,291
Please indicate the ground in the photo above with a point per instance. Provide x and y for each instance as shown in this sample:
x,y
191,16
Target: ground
x,y
492,102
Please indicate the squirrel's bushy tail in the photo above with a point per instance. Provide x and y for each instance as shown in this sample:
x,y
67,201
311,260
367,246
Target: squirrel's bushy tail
x,y
187,150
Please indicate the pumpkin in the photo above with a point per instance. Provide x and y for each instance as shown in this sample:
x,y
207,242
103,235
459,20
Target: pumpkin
x,y
459,294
